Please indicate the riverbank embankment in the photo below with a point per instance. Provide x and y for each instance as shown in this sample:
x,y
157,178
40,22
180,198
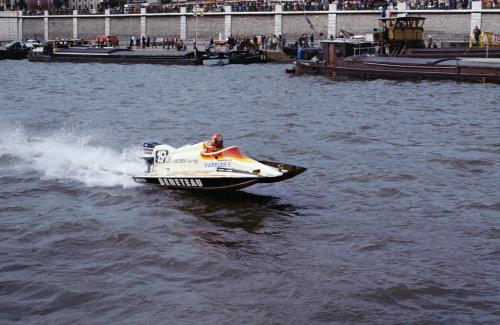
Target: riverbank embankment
x,y
443,25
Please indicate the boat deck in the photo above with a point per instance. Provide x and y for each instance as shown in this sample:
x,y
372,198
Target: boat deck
x,y
494,63
121,52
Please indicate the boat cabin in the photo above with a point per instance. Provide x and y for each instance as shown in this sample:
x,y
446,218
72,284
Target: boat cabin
x,y
337,50
405,31
307,54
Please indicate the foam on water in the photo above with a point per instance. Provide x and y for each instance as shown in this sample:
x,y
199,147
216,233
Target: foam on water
x,y
66,155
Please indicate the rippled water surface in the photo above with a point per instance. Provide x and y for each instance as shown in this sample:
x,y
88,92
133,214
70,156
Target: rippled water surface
x,y
397,219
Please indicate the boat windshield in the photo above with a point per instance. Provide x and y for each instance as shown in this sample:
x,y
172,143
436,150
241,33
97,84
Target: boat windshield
x,y
225,153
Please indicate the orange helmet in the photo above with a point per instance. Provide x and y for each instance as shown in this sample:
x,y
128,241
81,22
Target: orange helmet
x,y
217,139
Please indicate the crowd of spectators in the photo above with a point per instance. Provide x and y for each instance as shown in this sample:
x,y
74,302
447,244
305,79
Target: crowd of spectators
x,y
165,8
323,5
439,4
61,11
144,42
261,42
252,6
267,6
269,42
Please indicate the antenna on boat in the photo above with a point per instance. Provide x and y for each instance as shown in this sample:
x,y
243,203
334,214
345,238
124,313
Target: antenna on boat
x,y
196,23
196,13
195,27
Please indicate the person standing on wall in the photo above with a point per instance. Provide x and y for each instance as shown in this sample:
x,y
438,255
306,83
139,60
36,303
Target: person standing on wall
x,y
476,32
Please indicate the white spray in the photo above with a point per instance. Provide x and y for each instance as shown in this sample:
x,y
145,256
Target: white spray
x,y
67,156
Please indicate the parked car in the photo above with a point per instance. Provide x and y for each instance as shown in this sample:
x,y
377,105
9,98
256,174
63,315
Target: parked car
x,y
15,45
30,43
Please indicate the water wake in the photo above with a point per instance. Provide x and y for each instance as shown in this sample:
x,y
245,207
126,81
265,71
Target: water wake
x,y
69,156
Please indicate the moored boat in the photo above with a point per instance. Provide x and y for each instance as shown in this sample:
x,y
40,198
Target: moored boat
x,y
247,57
404,36
233,57
48,53
215,58
354,58
14,54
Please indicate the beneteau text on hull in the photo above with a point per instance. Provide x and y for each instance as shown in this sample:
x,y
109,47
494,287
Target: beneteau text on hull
x,y
190,168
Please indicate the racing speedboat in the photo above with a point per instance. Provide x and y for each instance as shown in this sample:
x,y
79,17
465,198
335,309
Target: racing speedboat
x,y
191,168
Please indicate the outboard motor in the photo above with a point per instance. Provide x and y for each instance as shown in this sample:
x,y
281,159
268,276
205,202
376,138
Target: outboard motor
x,y
147,152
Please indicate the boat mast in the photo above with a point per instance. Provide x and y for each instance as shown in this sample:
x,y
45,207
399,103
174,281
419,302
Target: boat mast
x,y
196,28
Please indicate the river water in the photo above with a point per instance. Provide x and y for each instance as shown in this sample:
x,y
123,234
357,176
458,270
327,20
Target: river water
x,y
397,219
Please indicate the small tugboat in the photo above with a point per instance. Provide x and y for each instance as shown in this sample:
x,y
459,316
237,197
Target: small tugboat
x,y
233,57
191,168
246,57
215,58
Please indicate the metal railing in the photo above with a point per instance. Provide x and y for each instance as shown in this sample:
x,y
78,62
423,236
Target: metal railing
x,y
265,6
366,50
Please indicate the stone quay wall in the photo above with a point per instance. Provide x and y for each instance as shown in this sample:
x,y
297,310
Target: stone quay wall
x,y
443,25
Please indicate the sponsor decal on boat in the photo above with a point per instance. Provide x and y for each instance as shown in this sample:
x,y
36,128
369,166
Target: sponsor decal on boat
x,y
161,157
186,182
218,164
181,161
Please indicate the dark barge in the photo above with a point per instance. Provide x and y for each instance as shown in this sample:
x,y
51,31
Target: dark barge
x,y
14,54
112,55
48,53
355,58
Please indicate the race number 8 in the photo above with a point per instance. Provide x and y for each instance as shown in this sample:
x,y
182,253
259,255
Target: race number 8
x,y
161,155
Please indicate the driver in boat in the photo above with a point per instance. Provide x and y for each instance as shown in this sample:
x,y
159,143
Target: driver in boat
x,y
215,143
